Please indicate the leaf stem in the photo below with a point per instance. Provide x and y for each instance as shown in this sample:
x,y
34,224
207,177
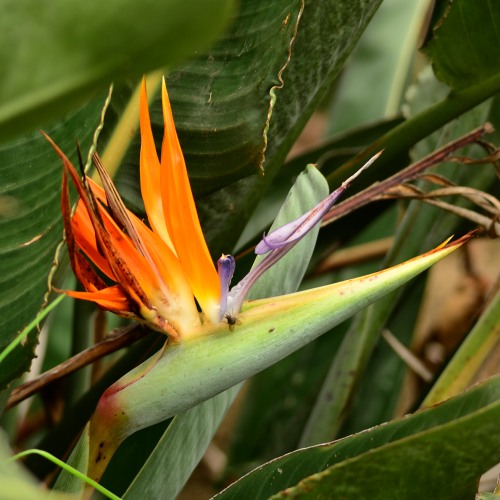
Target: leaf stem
x,y
67,468
110,344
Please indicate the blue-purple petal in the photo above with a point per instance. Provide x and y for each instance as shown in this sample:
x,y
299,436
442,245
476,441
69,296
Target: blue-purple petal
x,y
294,231
280,241
225,269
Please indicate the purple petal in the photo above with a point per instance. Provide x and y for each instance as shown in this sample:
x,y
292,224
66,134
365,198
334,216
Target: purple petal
x,y
298,228
294,231
225,269
240,291
280,241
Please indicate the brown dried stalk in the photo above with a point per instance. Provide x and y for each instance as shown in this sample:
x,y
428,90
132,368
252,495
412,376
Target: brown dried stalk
x,y
484,200
115,340
412,172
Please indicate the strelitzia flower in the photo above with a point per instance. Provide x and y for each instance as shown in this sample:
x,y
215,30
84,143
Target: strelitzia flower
x,y
163,275
156,272
159,273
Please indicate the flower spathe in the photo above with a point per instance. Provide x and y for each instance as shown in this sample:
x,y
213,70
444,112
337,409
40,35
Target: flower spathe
x,y
150,274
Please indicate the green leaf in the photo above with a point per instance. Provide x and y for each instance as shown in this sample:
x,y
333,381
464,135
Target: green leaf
x,y
462,41
384,55
222,102
54,55
79,459
26,331
198,425
30,224
180,449
17,484
470,357
425,455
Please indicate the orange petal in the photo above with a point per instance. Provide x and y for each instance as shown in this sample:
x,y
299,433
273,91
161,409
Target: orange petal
x,y
166,279
160,276
182,219
97,190
130,267
82,269
112,299
150,173
85,239
116,248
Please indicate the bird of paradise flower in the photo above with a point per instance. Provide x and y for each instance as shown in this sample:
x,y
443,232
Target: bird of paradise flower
x,y
160,273
163,275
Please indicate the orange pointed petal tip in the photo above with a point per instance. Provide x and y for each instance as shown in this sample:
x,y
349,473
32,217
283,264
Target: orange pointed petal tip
x,y
150,173
182,219
111,299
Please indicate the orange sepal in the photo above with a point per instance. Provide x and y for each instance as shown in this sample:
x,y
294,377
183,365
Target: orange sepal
x,y
84,272
85,239
150,173
114,248
182,218
111,298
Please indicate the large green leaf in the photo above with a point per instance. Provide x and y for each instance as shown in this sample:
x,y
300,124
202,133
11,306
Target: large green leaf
x,y
180,449
463,41
30,224
224,102
437,453
56,54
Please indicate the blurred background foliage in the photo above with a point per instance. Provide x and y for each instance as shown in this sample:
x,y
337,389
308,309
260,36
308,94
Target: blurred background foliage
x,y
259,90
